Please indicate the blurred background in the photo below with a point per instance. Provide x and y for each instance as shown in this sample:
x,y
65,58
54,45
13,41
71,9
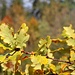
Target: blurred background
x,y
43,17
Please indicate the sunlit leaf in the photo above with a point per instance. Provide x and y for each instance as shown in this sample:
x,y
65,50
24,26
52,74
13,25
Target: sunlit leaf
x,y
38,66
14,56
68,32
44,45
65,73
63,66
48,41
42,42
72,55
23,26
6,34
27,69
52,67
50,54
72,67
71,42
2,58
38,60
5,47
22,37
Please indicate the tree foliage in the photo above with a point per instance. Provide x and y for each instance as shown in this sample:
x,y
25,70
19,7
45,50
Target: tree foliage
x,y
40,62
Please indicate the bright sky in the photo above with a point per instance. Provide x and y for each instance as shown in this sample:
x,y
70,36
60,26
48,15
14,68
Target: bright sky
x,y
27,3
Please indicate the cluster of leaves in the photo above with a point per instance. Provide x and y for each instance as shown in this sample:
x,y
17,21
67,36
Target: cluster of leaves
x,y
40,62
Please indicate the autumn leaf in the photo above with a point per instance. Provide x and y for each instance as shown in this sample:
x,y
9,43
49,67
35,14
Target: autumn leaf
x,y
72,55
68,32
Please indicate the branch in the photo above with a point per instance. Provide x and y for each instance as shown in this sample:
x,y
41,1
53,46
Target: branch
x,y
60,60
58,41
30,53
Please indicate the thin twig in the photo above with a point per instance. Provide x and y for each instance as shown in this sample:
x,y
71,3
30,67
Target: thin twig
x,y
59,49
58,41
59,60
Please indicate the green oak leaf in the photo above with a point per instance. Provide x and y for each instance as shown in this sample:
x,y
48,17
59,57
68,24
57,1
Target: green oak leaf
x,y
38,61
15,55
22,37
71,42
42,42
68,32
2,58
48,41
38,66
23,26
72,55
6,34
50,55
10,40
44,45
5,47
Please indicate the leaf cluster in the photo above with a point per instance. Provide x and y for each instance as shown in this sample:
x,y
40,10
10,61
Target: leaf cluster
x,y
40,62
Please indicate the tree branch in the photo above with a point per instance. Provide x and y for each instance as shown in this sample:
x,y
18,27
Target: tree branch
x,y
54,59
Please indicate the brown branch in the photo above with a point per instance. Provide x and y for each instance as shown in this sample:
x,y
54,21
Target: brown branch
x,y
29,53
58,41
54,59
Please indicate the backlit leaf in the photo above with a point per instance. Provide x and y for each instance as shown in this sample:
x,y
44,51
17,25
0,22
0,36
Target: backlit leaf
x,y
14,56
68,32
23,26
6,34
38,60
53,67
44,45
48,41
72,55
22,37
4,47
65,73
70,42
2,58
